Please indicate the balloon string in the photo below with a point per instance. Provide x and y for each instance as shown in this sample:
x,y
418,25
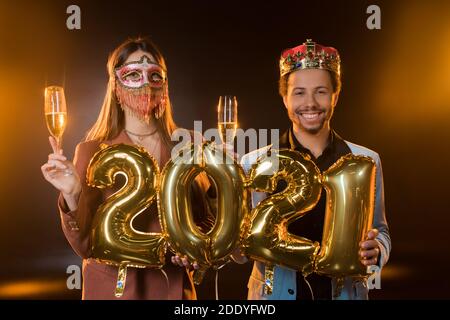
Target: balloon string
x,y
167,281
121,280
310,289
217,284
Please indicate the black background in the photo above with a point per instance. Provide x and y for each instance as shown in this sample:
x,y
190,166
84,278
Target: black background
x,y
395,100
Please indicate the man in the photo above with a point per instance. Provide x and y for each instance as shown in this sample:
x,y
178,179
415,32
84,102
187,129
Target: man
x,y
309,85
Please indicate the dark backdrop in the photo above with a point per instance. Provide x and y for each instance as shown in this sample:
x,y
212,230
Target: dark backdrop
x,y
395,100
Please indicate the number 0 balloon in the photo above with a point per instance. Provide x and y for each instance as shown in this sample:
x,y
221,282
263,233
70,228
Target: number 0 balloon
x,y
214,248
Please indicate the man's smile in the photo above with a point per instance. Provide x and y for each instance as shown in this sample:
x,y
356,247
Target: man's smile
x,y
309,115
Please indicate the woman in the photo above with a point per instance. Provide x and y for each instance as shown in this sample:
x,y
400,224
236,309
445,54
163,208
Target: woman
x,y
136,110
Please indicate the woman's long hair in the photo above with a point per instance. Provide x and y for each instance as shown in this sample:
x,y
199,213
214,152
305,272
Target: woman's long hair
x,y
111,120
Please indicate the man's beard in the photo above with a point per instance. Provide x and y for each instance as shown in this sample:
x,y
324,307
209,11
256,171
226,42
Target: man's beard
x,y
295,117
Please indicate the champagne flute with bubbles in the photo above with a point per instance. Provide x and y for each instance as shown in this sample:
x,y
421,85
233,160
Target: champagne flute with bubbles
x,y
227,119
56,114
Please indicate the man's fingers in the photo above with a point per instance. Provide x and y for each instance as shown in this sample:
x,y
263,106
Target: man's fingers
x,y
372,234
368,244
369,262
369,254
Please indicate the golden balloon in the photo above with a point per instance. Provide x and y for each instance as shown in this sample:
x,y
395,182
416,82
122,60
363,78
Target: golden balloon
x,y
113,238
269,240
350,187
214,248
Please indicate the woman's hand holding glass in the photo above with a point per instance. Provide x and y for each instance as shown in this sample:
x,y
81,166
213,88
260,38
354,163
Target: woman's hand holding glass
x,y
56,170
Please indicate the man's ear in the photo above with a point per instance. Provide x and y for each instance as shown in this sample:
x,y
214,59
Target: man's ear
x,y
335,98
285,101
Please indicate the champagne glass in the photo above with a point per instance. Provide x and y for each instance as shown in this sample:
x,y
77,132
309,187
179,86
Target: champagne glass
x,y
227,119
56,114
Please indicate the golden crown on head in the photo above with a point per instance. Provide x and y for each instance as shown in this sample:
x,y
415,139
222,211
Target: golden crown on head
x,y
310,55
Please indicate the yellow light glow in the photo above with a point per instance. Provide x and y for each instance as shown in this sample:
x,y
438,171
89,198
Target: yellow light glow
x,y
31,288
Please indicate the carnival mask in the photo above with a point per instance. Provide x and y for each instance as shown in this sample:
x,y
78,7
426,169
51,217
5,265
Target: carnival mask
x,y
141,87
